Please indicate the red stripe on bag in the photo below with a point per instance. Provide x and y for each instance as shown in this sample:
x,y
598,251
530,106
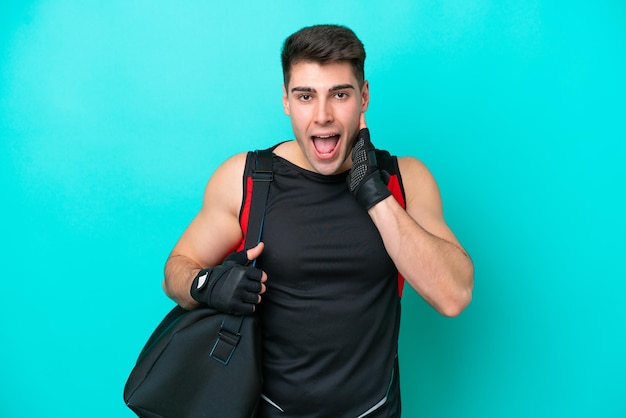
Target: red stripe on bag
x,y
245,212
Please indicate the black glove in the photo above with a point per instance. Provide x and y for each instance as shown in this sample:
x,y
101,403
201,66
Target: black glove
x,y
366,181
232,287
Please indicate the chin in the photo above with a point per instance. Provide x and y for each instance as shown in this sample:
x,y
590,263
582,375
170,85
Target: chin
x,y
329,168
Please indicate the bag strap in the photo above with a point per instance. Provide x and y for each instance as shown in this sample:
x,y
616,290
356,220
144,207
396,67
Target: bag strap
x,y
262,175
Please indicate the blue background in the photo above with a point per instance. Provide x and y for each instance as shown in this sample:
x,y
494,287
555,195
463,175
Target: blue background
x,y
114,114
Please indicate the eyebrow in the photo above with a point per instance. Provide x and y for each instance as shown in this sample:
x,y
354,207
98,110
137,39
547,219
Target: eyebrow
x,y
333,88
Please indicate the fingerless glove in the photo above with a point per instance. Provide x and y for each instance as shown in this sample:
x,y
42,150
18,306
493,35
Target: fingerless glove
x,y
366,181
232,287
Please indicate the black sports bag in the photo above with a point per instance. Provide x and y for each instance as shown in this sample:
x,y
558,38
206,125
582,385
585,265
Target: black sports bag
x,y
204,363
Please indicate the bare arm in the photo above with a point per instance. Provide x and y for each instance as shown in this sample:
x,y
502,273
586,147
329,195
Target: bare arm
x,y
422,246
211,235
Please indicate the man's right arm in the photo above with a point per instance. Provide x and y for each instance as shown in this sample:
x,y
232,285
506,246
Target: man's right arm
x,y
211,235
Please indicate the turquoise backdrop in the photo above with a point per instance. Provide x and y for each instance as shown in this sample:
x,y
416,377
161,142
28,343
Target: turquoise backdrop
x,y
113,114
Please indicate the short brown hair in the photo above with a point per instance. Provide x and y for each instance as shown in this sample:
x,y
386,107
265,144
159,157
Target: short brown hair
x,y
324,44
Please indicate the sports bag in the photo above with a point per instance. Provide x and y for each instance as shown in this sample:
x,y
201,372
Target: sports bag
x,y
204,363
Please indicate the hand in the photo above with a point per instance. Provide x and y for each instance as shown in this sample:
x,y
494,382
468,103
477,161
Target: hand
x,y
365,180
232,287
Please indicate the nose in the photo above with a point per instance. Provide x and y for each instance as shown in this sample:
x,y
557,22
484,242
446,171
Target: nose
x,y
323,113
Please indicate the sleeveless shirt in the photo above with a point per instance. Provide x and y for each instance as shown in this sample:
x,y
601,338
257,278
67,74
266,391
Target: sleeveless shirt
x,y
331,313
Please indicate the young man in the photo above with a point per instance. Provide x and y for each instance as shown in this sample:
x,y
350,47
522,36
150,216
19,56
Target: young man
x,y
335,240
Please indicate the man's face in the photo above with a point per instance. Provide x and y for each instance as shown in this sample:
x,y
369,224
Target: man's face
x,y
325,104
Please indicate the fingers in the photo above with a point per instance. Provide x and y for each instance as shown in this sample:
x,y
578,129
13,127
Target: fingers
x,y
365,134
263,287
250,297
238,258
254,252
255,281
259,286
362,124
255,287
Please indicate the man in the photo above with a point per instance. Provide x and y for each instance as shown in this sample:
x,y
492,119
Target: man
x,y
335,239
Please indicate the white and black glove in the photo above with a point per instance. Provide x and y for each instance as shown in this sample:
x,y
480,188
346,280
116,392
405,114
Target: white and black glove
x,y
366,181
232,287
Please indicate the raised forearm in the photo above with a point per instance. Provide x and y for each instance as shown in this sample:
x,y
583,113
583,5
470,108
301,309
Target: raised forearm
x,y
439,270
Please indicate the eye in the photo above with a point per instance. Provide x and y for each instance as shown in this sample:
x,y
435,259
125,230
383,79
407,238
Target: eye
x,y
341,95
304,97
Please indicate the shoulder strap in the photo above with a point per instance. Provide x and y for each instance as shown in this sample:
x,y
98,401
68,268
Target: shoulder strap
x,y
262,176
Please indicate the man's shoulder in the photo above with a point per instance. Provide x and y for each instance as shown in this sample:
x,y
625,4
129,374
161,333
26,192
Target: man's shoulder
x,y
233,165
243,163
228,174
286,149
419,183
412,166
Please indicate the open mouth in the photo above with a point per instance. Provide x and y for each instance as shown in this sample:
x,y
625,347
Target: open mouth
x,y
325,144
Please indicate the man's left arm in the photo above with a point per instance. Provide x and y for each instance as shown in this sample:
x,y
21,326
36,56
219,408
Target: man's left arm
x,y
420,243
418,240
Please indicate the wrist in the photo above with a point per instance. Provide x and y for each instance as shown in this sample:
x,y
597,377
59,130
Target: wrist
x,y
371,191
199,284
383,208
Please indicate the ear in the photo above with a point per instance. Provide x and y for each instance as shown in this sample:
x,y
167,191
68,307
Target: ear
x,y
365,96
286,101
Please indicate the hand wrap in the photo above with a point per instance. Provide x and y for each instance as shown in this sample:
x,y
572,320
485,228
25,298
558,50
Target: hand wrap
x,y
232,287
366,181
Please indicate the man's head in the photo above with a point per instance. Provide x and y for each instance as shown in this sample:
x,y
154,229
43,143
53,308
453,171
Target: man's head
x,y
323,44
324,95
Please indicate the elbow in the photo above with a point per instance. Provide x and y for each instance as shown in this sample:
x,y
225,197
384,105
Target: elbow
x,y
166,288
169,292
167,284
456,305
460,298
